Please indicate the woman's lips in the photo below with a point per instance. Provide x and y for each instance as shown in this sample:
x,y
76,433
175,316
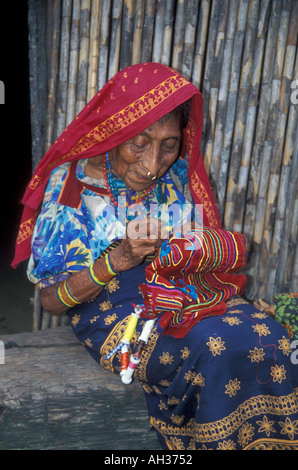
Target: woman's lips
x,y
140,178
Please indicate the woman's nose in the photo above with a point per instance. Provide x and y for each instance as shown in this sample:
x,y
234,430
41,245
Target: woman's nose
x,y
152,162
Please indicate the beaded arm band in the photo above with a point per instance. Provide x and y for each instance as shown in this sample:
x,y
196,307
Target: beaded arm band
x,y
65,296
105,276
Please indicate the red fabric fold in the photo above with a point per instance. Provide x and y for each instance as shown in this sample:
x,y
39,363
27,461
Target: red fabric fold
x,y
192,277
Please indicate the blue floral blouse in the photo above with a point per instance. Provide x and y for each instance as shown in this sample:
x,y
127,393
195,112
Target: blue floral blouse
x,y
66,240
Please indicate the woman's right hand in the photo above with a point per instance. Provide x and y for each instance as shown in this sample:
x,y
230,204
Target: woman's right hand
x,y
143,237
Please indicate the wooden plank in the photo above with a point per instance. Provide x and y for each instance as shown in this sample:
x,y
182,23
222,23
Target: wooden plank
x,y
53,395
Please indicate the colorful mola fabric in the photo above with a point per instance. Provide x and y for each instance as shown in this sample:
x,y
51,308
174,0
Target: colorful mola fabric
x,y
192,277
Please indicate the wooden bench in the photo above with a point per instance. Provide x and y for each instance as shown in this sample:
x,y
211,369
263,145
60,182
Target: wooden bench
x,y
53,395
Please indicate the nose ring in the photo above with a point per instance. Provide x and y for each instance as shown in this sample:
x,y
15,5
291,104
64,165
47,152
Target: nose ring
x,y
151,177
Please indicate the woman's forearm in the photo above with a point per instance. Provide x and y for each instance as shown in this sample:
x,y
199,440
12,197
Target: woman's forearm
x,y
81,287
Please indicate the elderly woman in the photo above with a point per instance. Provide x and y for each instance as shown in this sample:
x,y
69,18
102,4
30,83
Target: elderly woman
x,y
128,225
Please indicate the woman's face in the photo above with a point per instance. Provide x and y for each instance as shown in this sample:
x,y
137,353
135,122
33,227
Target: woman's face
x,y
152,151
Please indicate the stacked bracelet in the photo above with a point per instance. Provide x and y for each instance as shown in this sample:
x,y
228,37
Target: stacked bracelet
x,y
108,264
65,296
94,278
105,275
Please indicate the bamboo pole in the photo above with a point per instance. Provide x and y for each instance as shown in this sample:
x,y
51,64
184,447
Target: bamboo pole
x,y
168,32
73,62
286,218
201,41
241,129
218,83
253,108
127,33
272,138
137,32
103,50
227,99
93,49
114,54
210,92
82,77
179,34
148,31
54,13
63,68
191,12
158,31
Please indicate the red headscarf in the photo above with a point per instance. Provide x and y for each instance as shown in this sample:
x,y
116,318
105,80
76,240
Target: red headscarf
x,y
129,103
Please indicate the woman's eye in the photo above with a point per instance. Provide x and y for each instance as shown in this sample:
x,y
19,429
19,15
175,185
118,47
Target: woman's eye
x,y
140,144
171,146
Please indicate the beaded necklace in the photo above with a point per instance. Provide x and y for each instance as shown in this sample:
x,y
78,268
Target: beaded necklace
x,y
112,187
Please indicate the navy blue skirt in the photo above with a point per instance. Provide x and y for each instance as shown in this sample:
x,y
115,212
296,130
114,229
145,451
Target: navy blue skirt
x,y
230,383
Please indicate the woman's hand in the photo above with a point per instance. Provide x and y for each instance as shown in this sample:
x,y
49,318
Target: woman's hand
x,y
143,237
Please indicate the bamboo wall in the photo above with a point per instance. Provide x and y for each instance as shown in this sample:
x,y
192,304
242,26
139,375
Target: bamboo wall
x,y
242,55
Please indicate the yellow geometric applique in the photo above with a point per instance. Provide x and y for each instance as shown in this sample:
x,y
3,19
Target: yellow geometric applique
x,y
216,345
110,319
278,373
261,329
104,306
232,387
75,319
166,358
112,285
289,427
232,321
245,435
266,426
185,353
256,355
285,345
